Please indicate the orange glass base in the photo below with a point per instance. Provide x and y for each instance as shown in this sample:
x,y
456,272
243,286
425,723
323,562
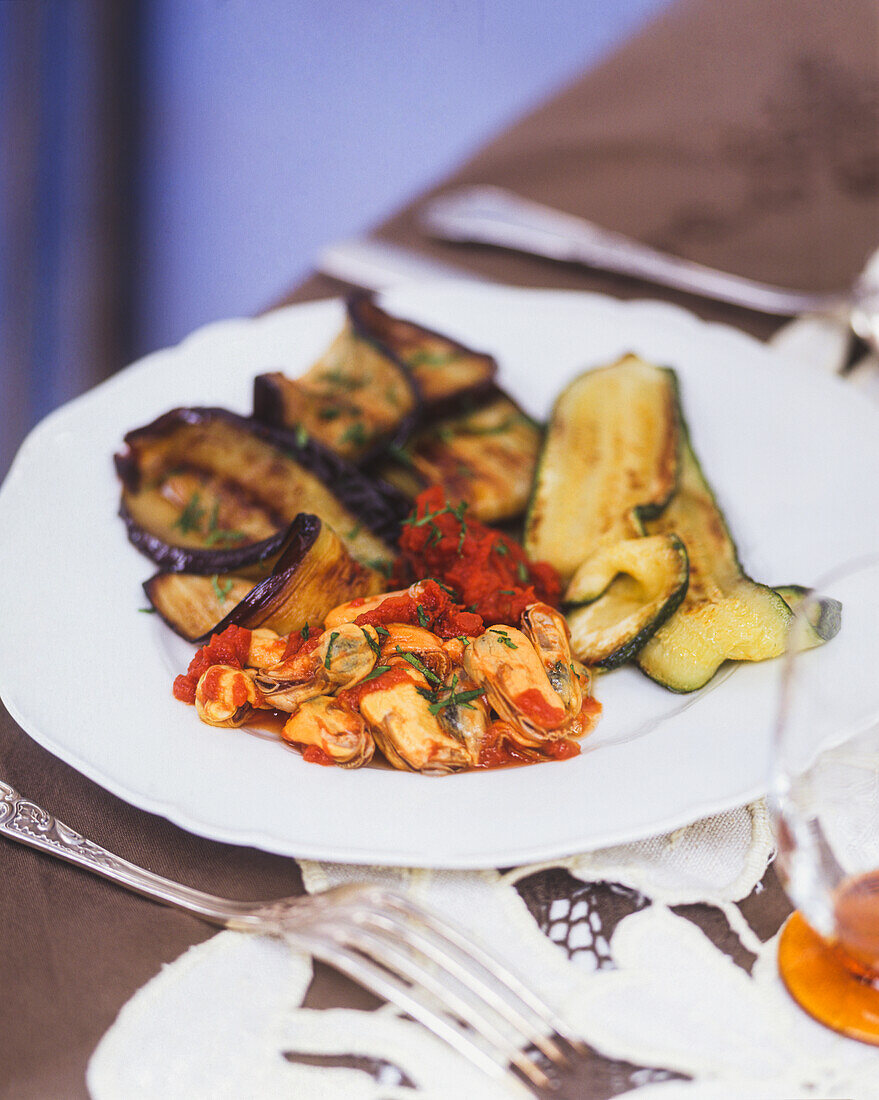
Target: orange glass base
x,y
821,983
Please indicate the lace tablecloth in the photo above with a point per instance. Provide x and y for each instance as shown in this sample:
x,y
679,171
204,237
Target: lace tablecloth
x,y
658,953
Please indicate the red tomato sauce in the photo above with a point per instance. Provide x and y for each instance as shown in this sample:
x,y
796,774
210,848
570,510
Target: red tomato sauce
x,y
504,753
229,648
299,642
313,755
438,613
488,571
533,705
397,674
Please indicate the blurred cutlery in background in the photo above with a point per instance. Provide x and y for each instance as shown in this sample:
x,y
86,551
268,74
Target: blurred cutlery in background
x,y
372,264
492,215
376,265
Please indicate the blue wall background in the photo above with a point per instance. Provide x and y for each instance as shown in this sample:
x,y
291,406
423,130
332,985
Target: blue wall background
x,y
274,127
165,163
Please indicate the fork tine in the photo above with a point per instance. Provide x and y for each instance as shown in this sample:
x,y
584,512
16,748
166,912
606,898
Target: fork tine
x,y
434,948
475,952
367,973
388,953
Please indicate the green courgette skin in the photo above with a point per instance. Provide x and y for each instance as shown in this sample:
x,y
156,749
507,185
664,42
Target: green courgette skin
x,y
825,616
625,645
630,649
769,611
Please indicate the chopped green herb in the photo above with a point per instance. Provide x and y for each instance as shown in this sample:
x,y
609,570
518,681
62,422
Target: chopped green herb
x,y
506,591
501,548
354,532
420,665
446,434
463,638
449,591
380,566
373,644
355,433
304,632
377,671
301,435
191,516
329,412
381,631
420,521
225,537
504,638
423,617
221,591
401,454
147,610
330,645
343,378
432,358
458,513
459,699
522,571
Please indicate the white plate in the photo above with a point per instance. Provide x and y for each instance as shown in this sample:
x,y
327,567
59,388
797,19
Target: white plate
x,y
792,455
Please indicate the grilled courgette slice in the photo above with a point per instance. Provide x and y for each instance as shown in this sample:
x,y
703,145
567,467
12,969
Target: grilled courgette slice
x,y
485,456
725,615
823,618
313,574
609,461
622,594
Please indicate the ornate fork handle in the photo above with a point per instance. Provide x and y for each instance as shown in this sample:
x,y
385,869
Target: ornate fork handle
x,y
381,940
28,823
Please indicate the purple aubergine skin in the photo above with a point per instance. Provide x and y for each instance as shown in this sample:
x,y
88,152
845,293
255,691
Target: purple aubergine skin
x,y
380,507
268,402
296,540
374,324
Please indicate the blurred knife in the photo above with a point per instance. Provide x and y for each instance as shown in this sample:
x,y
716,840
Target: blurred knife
x,y
376,265
492,215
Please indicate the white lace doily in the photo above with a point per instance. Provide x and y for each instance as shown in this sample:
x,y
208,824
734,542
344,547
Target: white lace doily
x,y
648,990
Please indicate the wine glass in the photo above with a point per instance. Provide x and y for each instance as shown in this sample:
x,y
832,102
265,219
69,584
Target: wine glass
x,y
825,799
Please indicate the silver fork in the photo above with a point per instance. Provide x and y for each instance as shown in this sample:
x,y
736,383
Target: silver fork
x,y
380,939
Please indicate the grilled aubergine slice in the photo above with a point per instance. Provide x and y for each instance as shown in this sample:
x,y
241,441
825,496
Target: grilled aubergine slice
x,y
313,574
379,379
207,491
356,399
444,370
484,455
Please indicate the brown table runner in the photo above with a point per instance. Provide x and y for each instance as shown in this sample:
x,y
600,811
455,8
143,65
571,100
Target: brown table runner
x,y
743,135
